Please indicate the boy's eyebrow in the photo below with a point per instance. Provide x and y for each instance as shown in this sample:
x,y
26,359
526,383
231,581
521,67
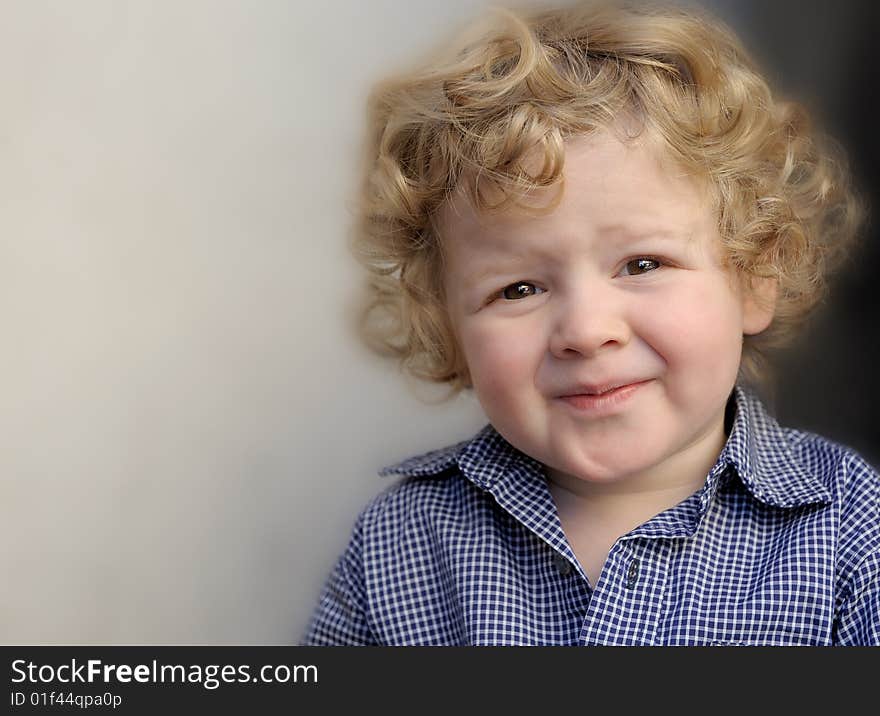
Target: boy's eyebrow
x,y
630,233
497,255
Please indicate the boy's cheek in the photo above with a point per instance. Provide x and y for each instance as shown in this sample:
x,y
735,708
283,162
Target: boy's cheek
x,y
496,365
497,359
695,317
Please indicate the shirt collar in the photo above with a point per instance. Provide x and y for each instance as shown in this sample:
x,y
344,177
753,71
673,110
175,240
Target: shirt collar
x,y
758,448
483,459
762,453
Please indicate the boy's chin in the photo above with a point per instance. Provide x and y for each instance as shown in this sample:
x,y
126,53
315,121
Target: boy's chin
x,y
613,467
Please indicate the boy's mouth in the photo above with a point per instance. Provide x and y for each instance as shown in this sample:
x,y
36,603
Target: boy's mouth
x,y
598,401
602,389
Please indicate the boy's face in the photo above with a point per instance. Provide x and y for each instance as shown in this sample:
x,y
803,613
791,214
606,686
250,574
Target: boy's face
x,y
621,285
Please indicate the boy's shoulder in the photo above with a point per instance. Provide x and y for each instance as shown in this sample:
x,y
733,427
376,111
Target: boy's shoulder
x,y
830,458
854,485
852,481
791,463
793,468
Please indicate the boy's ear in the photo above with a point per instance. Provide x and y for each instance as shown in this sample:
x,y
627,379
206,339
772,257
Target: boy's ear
x,y
759,304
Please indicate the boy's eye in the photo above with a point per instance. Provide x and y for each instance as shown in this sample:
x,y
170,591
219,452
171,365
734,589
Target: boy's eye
x,y
521,289
641,265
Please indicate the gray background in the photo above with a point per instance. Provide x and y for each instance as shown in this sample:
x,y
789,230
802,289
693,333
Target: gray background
x,y
188,427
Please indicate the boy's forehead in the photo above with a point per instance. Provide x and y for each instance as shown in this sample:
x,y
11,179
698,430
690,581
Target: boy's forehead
x,y
625,188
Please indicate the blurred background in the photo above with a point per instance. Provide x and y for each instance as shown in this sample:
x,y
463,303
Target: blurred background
x,y
188,426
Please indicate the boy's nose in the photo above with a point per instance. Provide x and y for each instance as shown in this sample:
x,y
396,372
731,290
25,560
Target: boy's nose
x,y
586,324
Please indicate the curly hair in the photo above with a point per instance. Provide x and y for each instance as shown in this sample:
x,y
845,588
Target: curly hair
x,y
516,85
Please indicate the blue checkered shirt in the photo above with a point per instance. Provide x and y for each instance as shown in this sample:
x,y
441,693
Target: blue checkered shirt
x,y
781,546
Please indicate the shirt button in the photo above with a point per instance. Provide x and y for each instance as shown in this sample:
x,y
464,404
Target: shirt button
x,y
563,566
632,574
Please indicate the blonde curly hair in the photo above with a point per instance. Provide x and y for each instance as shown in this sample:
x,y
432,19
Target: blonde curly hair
x,y
516,84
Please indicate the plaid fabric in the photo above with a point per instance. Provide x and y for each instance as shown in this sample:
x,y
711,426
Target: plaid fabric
x,y
781,546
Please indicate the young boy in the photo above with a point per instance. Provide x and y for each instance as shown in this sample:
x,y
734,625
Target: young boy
x,y
596,218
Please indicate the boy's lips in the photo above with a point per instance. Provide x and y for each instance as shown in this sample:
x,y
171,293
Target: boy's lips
x,y
600,389
608,400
